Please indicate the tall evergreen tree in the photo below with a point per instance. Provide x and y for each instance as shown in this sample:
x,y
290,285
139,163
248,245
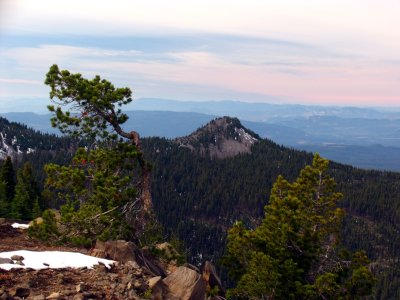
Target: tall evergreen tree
x,y
294,253
26,194
4,203
7,175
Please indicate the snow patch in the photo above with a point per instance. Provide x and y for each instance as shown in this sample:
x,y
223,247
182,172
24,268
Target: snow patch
x,y
53,259
245,135
20,226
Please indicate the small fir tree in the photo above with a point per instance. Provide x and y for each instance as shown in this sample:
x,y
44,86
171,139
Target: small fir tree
x,y
295,253
7,175
4,204
26,194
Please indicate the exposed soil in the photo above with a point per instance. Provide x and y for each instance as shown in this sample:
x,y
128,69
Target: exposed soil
x,y
118,282
12,239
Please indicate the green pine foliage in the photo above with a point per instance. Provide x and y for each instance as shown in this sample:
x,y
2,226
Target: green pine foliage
x,y
46,229
7,175
96,190
198,198
294,253
95,105
26,195
4,203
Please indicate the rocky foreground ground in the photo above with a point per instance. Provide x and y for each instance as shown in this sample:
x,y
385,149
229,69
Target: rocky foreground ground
x,y
136,274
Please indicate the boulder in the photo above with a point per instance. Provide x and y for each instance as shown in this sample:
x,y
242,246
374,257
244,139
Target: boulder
x,y
54,295
185,284
119,250
157,287
124,252
153,281
17,258
6,261
148,262
211,278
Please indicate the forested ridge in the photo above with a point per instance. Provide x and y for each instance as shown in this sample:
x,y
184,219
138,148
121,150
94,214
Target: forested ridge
x,y
197,198
44,147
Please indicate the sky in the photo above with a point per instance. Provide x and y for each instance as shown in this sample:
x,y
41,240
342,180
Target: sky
x,y
288,51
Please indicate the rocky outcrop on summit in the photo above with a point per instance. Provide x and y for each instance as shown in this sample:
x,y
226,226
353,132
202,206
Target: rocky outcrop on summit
x,y
221,138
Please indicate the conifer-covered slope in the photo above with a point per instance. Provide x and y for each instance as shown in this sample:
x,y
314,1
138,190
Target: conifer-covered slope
x,y
198,196
199,190
23,144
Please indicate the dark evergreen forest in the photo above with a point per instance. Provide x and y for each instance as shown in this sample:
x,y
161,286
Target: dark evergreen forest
x,y
197,198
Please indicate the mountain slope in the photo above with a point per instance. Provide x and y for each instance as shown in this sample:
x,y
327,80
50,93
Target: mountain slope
x,y
25,144
198,197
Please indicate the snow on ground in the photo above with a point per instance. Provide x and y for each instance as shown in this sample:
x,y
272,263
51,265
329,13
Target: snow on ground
x,y
53,259
20,226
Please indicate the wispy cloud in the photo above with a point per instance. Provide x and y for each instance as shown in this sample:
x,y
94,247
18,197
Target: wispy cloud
x,y
308,50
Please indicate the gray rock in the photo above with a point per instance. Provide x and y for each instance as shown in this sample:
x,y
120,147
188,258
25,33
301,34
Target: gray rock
x,y
6,261
80,288
185,284
17,257
5,296
79,297
212,279
120,250
68,292
153,281
54,295
123,252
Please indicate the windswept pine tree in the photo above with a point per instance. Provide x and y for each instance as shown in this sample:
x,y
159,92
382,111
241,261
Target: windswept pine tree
x,y
105,189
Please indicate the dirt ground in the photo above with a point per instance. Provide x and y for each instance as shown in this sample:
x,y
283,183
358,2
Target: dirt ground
x,y
119,282
12,239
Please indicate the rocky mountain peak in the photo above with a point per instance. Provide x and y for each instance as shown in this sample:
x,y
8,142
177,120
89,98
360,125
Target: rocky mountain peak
x,y
220,138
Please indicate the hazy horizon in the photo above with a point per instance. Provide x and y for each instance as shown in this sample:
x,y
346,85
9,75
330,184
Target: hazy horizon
x,y
38,105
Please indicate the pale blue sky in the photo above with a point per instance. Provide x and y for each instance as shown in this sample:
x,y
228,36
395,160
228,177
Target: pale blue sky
x,y
310,51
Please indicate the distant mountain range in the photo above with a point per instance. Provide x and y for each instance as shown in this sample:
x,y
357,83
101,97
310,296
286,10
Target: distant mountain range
x,y
363,137
264,112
